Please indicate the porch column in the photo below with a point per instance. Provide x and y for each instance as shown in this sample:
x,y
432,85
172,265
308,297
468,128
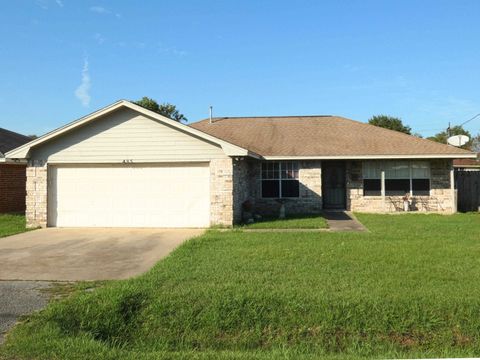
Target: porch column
x,y
382,189
452,189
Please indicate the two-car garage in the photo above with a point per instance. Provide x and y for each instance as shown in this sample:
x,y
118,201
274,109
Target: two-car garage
x,y
125,195
127,166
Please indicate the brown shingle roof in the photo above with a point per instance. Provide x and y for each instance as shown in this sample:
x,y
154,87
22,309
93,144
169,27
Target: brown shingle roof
x,y
9,140
318,136
467,162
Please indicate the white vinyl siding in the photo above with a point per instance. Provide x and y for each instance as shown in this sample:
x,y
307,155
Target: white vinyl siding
x,y
156,195
126,136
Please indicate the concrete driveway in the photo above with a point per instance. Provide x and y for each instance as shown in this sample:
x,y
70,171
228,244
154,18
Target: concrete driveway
x,y
67,254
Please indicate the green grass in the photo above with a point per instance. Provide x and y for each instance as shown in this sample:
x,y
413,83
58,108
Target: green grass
x,y
291,222
11,224
408,288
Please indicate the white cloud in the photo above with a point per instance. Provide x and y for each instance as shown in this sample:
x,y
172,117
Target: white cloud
x,y
82,92
170,50
42,3
45,4
99,38
99,10
104,11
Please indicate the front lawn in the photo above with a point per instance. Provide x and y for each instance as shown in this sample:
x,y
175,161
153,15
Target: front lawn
x,y
11,224
291,222
408,288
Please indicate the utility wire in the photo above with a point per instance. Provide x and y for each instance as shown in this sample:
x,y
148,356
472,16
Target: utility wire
x,y
470,119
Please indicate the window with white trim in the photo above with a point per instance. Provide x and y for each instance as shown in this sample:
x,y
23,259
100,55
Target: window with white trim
x,y
372,178
397,178
401,177
280,179
420,177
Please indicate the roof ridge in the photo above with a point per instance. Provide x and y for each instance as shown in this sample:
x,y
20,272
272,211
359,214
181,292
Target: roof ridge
x,y
272,116
219,118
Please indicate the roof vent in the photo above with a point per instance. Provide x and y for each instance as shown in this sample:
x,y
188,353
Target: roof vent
x,y
211,113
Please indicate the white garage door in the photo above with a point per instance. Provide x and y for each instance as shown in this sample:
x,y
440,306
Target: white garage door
x,y
167,195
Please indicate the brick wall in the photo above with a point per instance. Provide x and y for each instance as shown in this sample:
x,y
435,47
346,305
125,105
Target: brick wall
x,y
12,188
221,192
310,196
440,199
241,187
36,212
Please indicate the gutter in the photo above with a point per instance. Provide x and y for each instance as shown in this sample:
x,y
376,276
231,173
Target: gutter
x,y
4,160
373,157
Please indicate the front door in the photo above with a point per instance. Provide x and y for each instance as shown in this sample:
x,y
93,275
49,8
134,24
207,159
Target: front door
x,y
333,184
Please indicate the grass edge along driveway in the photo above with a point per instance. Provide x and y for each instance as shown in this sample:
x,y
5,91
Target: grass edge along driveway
x,y
408,288
11,224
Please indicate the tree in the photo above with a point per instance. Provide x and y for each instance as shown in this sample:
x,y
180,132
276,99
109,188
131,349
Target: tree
x,y
165,109
476,143
390,122
442,137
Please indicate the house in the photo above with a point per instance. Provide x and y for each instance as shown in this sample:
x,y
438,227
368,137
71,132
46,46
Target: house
x,y
12,174
467,183
130,167
467,164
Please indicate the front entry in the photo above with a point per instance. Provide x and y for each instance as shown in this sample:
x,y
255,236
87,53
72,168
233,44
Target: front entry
x,y
333,185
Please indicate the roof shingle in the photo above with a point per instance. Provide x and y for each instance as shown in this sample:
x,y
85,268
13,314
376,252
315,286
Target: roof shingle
x,y
9,140
318,136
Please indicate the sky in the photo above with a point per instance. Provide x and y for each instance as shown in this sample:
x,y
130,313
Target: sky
x,y
417,60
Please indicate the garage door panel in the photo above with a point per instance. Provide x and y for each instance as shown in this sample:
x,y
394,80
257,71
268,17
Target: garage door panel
x,y
130,196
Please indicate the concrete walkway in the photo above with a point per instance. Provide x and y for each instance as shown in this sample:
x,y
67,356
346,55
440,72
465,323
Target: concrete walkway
x,y
342,221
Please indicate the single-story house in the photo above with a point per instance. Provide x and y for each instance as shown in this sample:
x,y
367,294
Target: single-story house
x,y
126,166
12,174
467,164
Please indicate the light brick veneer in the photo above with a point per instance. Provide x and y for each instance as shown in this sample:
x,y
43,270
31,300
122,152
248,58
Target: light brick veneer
x,y
310,196
440,199
233,181
36,201
241,187
221,192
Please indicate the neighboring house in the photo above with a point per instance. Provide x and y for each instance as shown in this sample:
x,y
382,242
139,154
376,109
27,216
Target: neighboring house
x,y
467,181
12,174
127,166
467,164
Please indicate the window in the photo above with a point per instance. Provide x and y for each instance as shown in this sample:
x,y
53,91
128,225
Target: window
x,y
420,178
372,179
372,187
280,180
401,177
397,178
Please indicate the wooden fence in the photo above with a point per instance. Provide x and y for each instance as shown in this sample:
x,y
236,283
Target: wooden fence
x,y
468,190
